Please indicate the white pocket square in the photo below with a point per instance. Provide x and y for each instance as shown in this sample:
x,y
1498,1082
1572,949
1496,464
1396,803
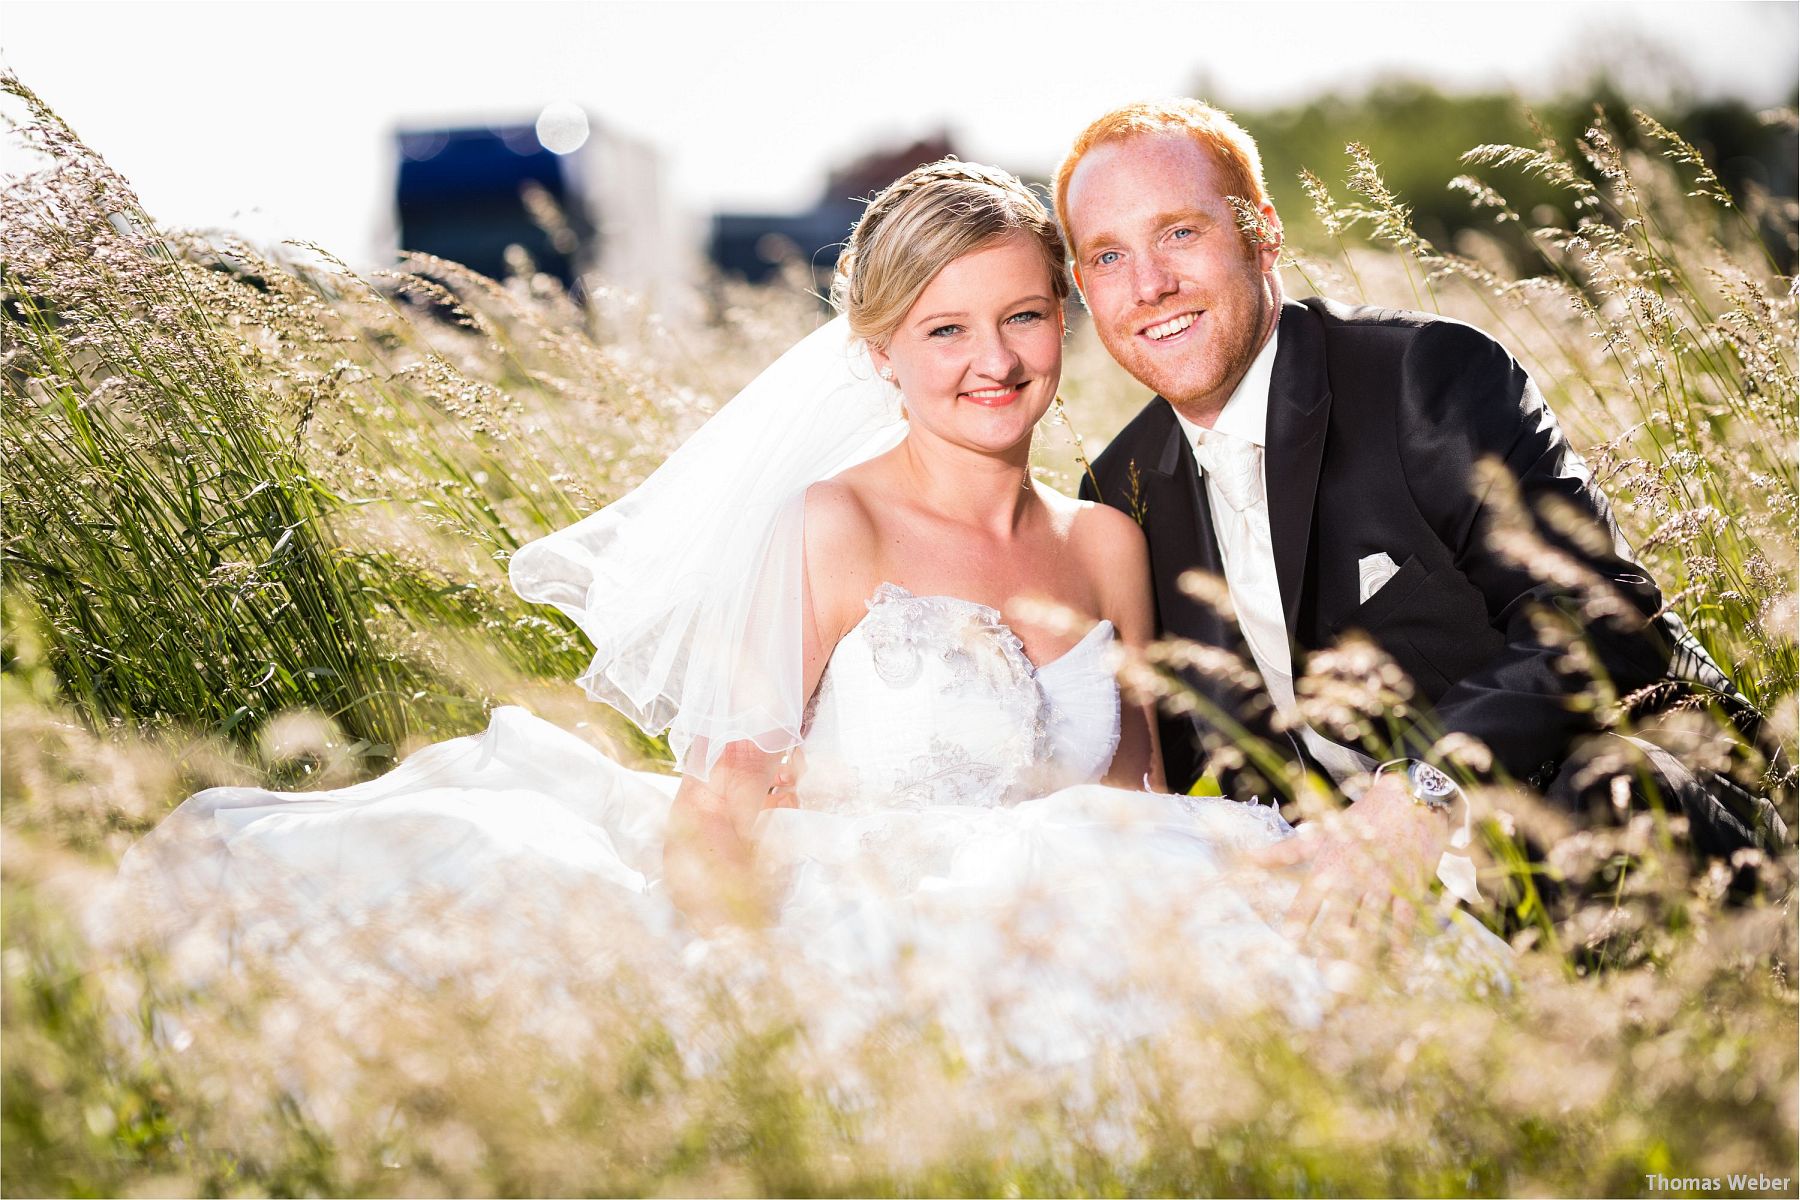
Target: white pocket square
x,y
1372,573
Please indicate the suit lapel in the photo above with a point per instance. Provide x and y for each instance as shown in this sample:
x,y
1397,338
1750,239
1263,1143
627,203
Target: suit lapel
x,y
1179,525
1178,522
1299,408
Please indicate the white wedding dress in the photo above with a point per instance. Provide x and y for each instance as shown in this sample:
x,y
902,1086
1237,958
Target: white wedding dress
x,y
950,847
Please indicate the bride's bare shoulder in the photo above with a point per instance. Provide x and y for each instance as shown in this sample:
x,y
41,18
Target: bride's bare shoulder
x,y
1108,541
1094,529
1107,524
840,543
838,515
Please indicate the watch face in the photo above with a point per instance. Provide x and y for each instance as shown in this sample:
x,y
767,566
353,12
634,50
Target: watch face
x,y
1429,783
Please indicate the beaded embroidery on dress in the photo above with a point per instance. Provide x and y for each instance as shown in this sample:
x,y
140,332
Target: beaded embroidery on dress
x,y
931,700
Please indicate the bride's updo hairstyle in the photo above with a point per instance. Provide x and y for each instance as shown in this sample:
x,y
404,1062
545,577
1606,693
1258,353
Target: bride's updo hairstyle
x,y
921,223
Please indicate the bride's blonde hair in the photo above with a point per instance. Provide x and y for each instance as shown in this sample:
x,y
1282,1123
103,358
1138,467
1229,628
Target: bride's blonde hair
x,y
921,223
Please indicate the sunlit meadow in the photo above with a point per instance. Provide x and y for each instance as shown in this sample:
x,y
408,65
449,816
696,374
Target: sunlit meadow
x,y
258,511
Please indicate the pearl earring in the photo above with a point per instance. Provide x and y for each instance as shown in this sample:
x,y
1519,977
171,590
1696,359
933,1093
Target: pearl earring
x,y
887,373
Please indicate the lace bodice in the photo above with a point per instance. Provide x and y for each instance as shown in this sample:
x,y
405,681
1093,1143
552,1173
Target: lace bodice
x,y
931,700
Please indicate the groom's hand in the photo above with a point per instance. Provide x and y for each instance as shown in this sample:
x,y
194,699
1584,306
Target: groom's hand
x,y
1369,863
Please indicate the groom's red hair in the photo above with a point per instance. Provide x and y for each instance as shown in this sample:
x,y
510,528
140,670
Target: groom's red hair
x,y
1234,149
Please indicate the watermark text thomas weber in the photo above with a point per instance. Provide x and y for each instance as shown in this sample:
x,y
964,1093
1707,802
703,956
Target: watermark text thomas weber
x,y
1738,1184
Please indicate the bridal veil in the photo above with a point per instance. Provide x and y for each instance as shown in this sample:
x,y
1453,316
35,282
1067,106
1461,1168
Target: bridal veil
x,y
691,586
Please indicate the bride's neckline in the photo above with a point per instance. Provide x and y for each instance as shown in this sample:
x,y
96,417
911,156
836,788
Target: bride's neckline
x,y
886,593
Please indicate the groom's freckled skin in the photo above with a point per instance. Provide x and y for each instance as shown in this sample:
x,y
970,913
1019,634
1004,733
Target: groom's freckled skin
x,y
1156,241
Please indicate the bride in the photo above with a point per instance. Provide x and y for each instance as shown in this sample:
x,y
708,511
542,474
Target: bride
x,y
955,283
884,657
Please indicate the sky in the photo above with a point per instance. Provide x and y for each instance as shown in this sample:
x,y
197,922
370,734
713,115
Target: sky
x,y
276,119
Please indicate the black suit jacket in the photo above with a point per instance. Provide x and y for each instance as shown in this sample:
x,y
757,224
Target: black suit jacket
x,y
1377,419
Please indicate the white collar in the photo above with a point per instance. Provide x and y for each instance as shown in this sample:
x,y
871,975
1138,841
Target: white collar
x,y
1246,414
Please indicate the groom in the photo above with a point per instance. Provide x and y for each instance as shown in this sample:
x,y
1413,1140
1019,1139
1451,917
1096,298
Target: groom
x,y
1331,465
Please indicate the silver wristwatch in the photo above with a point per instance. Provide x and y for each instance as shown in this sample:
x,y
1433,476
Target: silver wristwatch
x,y
1429,786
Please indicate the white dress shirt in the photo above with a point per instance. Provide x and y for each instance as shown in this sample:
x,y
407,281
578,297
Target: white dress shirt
x,y
1236,492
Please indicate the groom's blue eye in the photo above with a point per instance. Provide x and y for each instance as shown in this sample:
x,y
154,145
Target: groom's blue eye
x,y
1027,317
1105,258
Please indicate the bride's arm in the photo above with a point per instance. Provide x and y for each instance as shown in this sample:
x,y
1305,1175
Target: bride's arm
x,y
707,863
708,858
1120,559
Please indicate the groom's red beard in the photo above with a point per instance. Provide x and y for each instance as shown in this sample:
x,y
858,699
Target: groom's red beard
x,y
1197,368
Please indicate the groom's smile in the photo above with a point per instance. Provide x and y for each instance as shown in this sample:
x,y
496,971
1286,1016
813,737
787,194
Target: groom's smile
x,y
1172,329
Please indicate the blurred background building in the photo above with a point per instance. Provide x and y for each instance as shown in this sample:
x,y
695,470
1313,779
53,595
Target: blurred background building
x,y
579,200
755,245
470,194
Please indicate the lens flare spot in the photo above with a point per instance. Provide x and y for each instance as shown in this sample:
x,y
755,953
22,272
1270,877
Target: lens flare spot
x,y
562,127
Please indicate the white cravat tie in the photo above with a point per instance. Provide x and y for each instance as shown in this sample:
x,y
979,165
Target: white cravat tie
x,y
1233,467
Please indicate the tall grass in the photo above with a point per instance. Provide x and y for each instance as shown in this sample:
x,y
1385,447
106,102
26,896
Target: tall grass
x,y
257,515
238,485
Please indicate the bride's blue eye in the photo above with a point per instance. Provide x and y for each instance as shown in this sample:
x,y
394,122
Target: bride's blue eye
x,y
1027,317
944,329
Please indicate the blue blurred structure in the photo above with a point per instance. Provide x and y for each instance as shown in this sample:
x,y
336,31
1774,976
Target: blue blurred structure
x,y
754,246
461,196
469,193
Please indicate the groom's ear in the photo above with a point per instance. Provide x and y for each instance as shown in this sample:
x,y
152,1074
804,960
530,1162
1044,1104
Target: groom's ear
x,y
1268,249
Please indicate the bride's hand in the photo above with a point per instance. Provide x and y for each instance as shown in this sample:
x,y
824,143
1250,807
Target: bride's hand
x,y
709,863
784,791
